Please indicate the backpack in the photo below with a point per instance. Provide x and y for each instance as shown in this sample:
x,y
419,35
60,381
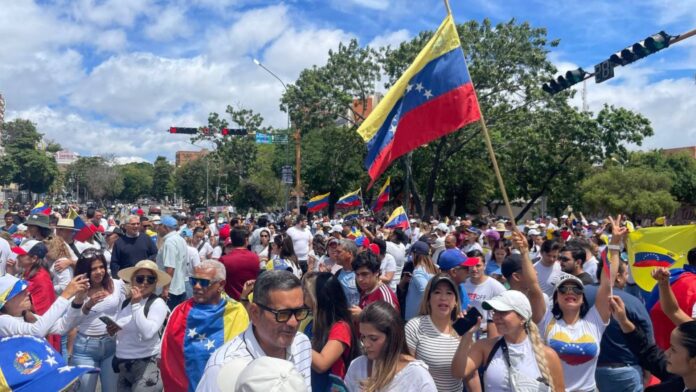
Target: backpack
x,y
148,303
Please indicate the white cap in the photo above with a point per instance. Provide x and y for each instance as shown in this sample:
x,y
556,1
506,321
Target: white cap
x,y
510,300
533,232
336,229
443,228
594,223
564,216
562,278
265,373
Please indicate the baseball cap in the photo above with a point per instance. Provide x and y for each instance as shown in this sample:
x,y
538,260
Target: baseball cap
x,y
10,286
31,247
420,248
511,300
362,241
451,258
169,221
336,229
31,364
493,235
511,264
562,278
474,230
533,232
443,227
261,374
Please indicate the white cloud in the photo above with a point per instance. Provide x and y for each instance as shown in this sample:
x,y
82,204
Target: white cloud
x,y
111,40
169,24
373,4
109,12
392,39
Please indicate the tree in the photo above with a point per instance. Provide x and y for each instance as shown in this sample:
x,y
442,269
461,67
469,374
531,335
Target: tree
x,y
137,180
680,167
162,179
633,191
103,179
189,182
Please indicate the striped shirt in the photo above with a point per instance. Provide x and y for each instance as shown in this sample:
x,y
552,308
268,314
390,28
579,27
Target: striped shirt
x,y
381,293
434,348
245,346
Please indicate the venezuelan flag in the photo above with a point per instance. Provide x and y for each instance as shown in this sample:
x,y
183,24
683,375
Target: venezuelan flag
x,y
398,219
350,200
83,230
351,215
574,351
318,203
193,333
383,196
434,97
41,208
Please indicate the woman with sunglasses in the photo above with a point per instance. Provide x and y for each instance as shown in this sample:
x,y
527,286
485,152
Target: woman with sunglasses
x,y
93,344
265,246
570,326
386,365
137,329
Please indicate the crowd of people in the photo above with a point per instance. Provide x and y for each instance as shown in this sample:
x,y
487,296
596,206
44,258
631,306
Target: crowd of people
x,y
291,303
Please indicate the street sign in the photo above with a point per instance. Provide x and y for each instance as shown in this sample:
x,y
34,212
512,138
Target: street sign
x,y
604,71
286,175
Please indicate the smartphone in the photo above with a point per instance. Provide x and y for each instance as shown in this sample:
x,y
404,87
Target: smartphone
x,y
108,321
465,323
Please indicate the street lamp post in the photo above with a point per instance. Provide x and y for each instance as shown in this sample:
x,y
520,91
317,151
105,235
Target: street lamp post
x,y
298,152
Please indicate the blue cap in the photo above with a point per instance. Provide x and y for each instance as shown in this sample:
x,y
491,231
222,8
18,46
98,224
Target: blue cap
x,y
451,258
29,363
420,248
169,221
473,230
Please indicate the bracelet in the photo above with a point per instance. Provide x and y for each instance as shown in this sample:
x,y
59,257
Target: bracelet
x,y
614,247
76,306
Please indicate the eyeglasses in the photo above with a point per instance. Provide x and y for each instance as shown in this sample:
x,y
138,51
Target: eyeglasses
x,y
567,289
282,316
204,283
140,279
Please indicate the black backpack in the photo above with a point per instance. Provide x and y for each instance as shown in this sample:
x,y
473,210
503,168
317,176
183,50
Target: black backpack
x,y
148,303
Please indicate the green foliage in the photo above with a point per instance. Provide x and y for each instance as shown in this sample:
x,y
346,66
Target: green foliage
x,y
633,191
137,180
162,179
33,169
680,167
190,183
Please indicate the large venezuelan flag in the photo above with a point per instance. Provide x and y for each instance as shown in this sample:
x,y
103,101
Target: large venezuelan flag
x,y
41,208
434,97
398,219
193,333
318,203
383,196
350,200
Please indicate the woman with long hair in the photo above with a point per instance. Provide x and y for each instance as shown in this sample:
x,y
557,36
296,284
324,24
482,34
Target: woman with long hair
x,y
423,270
495,259
58,251
386,365
430,336
334,343
286,259
265,246
676,367
93,345
515,361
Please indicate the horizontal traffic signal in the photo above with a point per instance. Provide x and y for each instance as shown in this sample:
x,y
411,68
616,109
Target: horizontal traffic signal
x,y
233,131
183,130
563,82
637,51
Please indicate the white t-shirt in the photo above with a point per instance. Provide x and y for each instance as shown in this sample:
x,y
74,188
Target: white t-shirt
x,y
469,247
300,241
693,312
109,306
547,276
5,253
590,267
388,264
398,252
204,250
139,335
577,345
522,360
483,292
434,348
194,258
414,377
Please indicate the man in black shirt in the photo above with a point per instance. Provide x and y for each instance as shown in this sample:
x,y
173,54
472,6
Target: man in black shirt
x,y
132,247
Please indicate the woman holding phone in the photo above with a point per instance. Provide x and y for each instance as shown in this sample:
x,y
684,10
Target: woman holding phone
x,y
137,329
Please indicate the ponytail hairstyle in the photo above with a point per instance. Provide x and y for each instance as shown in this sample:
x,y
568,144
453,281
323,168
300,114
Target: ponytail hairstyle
x,y
539,354
387,320
688,336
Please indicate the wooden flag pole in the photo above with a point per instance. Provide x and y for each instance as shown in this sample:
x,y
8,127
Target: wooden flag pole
x,y
491,153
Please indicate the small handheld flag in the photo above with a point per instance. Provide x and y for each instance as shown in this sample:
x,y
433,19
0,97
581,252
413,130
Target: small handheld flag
x,y
41,208
398,219
318,203
350,200
383,196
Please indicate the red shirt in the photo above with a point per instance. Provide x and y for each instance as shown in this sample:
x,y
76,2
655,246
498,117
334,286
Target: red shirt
x,y
341,332
241,265
381,293
42,297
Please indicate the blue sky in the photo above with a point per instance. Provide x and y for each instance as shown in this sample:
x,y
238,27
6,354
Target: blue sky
x,y
110,76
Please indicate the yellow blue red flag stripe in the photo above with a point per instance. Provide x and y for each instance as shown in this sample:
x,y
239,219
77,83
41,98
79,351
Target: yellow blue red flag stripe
x,y
318,203
350,200
383,196
398,219
434,97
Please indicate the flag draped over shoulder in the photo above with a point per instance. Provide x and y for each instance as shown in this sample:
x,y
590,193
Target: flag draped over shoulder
x,y
398,219
383,196
658,247
318,203
434,97
193,333
350,200
41,208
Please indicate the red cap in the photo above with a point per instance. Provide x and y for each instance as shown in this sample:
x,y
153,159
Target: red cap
x,y
470,262
225,232
374,248
139,212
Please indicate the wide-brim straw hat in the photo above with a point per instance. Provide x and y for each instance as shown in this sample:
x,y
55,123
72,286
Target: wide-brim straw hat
x,y
163,278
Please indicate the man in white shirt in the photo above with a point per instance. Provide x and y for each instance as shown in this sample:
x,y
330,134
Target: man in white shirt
x,y
301,241
173,256
472,242
275,315
547,268
481,288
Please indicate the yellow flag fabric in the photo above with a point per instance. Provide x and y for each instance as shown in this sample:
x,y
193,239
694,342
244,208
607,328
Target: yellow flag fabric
x,y
652,247
72,214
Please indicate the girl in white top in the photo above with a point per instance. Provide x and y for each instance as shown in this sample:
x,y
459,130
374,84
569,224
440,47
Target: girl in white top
x,y
58,251
430,336
386,365
93,345
137,328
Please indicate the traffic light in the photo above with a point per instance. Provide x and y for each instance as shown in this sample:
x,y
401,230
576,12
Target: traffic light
x,y
637,51
182,130
233,131
561,83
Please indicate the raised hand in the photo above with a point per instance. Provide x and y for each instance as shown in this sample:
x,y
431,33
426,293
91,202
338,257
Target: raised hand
x,y
78,285
136,294
661,275
519,242
617,231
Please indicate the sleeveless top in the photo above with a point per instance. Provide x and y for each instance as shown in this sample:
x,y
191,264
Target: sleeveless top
x,y
522,359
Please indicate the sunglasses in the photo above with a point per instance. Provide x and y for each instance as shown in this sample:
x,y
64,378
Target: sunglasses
x,y
204,283
283,316
567,289
91,253
140,279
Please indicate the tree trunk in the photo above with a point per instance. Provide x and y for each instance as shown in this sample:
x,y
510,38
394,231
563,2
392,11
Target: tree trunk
x,y
432,180
416,199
